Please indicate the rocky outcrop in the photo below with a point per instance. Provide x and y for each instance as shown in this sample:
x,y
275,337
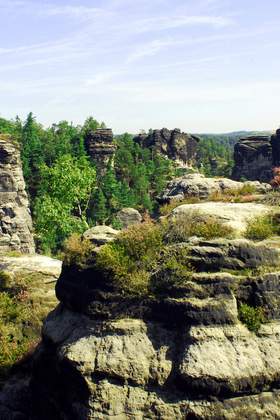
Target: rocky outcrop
x,y
15,219
128,216
100,235
174,144
101,148
234,215
180,354
197,185
256,156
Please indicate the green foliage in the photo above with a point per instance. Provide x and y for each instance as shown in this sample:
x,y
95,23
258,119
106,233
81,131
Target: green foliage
x,y
260,228
129,260
17,329
173,270
76,250
63,200
251,317
182,227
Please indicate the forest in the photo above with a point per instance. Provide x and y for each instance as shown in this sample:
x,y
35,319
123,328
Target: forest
x,y
67,194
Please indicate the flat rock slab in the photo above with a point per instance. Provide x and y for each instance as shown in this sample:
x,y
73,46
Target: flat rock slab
x,y
32,263
235,215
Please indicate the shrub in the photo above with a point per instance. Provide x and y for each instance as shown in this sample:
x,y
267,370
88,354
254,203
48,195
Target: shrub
x,y
251,317
173,270
259,228
76,250
182,227
14,318
129,260
4,280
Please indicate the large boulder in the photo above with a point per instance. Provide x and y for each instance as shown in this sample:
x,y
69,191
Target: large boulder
x,y
235,215
129,216
100,235
197,185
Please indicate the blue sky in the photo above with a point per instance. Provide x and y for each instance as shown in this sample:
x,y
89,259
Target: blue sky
x,y
199,65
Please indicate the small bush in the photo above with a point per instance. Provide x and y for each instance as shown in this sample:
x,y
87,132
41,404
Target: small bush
x,y
259,228
182,227
173,270
251,317
4,280
129,260
76,249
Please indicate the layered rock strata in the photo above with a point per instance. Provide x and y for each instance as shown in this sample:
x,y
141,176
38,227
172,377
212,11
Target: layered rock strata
x,y
256,156
174,144
197,185
101,148
180,354
15,219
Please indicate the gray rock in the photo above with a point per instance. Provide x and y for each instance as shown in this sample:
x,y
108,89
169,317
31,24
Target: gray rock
x,y
129,216
174,144
256,156
101,148
15,220
197,185
100,235
234,215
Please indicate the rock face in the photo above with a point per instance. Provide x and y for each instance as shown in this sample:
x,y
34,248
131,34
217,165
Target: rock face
x,y
256,156
235,215
174,144
15,219
128,217
197,185
101,148
183,354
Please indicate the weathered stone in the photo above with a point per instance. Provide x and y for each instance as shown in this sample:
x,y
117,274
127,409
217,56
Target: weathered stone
x,y
234,215
100,235
197,185
174,144
236,254
129,216
101,148
256,156
15,219
182,354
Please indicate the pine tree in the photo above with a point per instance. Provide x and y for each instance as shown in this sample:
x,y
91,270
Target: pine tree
x,y
99,210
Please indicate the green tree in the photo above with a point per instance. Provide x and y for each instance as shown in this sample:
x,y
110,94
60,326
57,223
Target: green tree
x,y
63,201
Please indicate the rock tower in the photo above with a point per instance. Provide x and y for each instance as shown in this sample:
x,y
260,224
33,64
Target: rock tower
x,y
101,148
255,157
174,144
15,218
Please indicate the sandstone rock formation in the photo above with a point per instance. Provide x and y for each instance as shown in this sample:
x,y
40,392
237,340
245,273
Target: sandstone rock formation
x,y
100,235
197,185
129,216
182,354
235,215
174,144
100,146
15,219
256,156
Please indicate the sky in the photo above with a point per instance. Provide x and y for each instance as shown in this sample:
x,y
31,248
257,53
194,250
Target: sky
x,y
198,65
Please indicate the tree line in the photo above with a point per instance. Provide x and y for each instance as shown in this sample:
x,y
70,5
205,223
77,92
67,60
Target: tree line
x,y
66,193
